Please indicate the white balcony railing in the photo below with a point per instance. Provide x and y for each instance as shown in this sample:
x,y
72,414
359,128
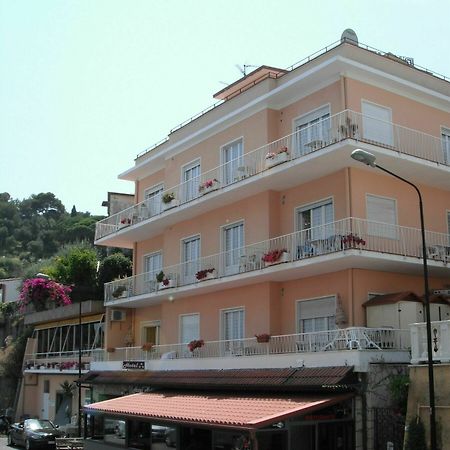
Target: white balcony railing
x,y
354,338
58,361
344,125
440,336
339,236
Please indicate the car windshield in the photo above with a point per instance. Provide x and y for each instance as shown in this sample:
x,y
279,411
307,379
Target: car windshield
x,y
35,424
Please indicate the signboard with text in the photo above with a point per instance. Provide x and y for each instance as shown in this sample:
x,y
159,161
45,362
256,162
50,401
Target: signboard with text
x,y
133,365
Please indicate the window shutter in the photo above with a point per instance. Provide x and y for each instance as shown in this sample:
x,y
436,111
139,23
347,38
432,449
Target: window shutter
x,y
323,307
381,210
377,124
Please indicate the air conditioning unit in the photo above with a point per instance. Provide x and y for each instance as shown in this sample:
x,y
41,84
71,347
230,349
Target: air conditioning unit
x,y
118,315
441,292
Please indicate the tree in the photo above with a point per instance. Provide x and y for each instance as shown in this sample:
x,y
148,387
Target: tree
x,y
114,266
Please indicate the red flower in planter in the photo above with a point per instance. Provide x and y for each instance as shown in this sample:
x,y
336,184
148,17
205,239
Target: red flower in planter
x,y
196,343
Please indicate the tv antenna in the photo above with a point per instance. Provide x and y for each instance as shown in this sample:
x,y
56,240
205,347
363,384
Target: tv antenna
x,y
243,68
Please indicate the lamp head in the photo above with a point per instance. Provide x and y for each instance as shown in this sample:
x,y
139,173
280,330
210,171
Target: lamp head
x,y
364,157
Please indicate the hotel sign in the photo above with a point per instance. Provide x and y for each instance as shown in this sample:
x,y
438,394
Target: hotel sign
x,y
133,365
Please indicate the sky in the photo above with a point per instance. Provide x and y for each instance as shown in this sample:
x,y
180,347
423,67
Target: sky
x,y
86,85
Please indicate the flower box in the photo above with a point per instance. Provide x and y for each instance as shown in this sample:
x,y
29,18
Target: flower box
x,y
276,257
207,274
273,159
171,204
166,284
262,338
209,186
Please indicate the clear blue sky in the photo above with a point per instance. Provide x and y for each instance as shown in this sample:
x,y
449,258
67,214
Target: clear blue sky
x,y
85,85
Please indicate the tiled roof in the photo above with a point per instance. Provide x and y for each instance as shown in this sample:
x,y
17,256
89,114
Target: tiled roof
x,y
298,379
218,409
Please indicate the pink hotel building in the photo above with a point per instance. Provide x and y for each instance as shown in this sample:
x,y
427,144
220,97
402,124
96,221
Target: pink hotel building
x,y
252,219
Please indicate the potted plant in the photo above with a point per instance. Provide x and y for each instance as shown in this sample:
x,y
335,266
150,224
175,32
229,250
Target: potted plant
x,y
352,240
43,293
147,347
124,222
208,186
169,200
262,338
275,257
196,343
206,274
278,157
120,291
165,281
110,349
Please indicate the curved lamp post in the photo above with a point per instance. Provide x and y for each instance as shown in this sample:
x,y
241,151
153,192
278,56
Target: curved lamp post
x,y
369,159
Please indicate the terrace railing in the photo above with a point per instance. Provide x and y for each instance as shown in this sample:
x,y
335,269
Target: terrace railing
x,y
339,127
354,338
440,332
339,236
58,361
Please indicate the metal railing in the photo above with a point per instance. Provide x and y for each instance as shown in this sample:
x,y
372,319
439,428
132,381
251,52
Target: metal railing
x,y
58,361
341,235
353,338
344,125
441,342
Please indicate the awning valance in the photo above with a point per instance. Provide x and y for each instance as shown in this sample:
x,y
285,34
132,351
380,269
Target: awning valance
x,y
72,321
214,409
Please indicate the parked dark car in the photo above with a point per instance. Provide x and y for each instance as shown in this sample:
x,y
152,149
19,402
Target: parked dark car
x,y
34,433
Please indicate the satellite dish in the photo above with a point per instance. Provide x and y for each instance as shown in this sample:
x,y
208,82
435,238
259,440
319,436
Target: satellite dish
x,y
349,36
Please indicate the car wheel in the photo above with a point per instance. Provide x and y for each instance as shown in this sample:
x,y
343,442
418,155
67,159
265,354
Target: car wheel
x,y
10,440
28,444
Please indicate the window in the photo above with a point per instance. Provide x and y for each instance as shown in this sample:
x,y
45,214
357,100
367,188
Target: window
x,y
152,266
381,216
232,160
377,123
150,332
190,258
312,130
315,217
153,200
233,324
189,327
316,315
191,180
445,138
233,242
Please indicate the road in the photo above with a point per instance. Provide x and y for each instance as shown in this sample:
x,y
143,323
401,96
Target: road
x,y
3,445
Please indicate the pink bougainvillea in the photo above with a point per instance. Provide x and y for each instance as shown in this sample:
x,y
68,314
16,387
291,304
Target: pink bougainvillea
x,y
38,291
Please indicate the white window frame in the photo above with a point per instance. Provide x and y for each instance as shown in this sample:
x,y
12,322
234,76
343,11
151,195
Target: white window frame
x,y
230,172
445,140
233,268
189,166
223,313
188,276
150,324
180,326
366,119
323,231
149,280
154,205
320,115
298,307
373,229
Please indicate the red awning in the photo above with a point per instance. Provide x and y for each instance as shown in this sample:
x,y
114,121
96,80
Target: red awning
x,y
220,410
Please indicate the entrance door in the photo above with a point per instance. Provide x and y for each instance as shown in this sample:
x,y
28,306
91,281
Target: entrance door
x,y
150,333
274,439
45,400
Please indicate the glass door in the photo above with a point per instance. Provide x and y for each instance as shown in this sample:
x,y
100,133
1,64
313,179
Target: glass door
x,y
191,181
190,257
233,247
232,160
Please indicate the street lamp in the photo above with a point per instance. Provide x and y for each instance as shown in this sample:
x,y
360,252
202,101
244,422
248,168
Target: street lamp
x,y
369,159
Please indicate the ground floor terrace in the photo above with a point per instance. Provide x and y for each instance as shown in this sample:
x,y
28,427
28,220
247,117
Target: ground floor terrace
x,y
223,409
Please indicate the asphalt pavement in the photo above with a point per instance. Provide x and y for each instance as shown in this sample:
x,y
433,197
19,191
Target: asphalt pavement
x,y
3,442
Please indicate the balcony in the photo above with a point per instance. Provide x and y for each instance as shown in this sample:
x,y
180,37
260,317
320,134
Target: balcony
x,y
440,332
33,317
354,346
57,362
284,161
338,245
